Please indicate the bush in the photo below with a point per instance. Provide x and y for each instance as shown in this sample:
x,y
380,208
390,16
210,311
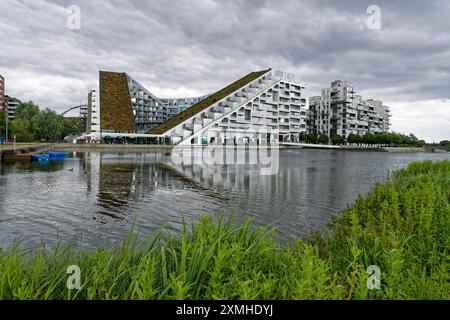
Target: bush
x,y
337,139
323,139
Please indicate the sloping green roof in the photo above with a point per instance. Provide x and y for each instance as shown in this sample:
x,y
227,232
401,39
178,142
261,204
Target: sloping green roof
x,y
202,105
115,102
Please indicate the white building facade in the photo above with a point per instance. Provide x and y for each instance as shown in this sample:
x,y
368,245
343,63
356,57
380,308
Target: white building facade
x,y
93,112
265,107
339,111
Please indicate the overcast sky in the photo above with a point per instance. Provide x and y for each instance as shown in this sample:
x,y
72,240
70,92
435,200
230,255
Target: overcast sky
x,y
185,48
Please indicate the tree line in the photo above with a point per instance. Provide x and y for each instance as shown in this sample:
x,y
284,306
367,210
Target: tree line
x,y
369,139
31,124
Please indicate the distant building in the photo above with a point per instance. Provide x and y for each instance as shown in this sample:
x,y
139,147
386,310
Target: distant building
x,y
339,111
11,106
2,93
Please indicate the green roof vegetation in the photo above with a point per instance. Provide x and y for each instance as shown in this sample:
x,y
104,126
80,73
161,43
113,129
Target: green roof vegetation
x,y
116,110
202,105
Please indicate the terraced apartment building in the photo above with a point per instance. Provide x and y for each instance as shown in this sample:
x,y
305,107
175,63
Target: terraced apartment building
x,y
262,107
339,111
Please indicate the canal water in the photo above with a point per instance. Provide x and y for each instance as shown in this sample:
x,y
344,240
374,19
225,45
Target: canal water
x,y
91,199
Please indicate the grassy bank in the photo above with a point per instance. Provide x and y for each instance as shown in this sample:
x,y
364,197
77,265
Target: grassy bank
x,y
17,145
401,226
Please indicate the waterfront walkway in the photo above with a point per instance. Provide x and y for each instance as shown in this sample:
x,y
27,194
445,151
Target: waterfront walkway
x,y
297,145
155,147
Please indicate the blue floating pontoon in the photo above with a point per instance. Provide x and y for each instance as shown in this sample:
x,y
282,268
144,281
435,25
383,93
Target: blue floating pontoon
x,y
40,157
59,155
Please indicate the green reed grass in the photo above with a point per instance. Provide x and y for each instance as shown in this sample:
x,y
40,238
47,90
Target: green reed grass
x,y
402,226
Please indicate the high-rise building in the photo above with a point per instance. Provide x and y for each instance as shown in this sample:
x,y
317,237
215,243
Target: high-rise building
x,y
2,93
339,111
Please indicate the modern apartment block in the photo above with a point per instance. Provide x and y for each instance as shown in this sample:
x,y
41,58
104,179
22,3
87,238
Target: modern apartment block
x,y
339,111
11,105
2,93
264,107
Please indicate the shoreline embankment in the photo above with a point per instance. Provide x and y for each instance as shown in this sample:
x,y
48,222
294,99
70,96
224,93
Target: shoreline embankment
x,y
151,147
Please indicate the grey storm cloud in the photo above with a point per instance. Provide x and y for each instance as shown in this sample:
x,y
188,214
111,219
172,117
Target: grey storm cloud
x,y
181,48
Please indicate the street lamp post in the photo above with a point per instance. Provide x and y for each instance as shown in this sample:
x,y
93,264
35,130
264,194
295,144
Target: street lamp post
x,y
6,121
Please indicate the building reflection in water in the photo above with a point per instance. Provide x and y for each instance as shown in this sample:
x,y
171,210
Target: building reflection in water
x,y
96,197
305,192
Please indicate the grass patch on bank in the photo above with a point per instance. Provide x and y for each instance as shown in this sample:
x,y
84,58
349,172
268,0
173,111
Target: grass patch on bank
x,y
17,145
402,226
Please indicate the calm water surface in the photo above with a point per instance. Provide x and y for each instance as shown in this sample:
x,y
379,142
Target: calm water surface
x,y
93,198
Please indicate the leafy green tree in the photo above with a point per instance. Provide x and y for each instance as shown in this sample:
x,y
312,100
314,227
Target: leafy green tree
x,y
445,144
413,138
421,143
384,138
32,124
70,126
303,137
311,138
27,110
323,139
49,126
21,129
368,138
337,139
397,138
353,138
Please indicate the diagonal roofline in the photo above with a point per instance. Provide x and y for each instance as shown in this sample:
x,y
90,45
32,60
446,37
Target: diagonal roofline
x,y
202,105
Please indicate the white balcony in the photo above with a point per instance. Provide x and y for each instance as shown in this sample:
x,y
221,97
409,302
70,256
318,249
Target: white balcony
x,y
206,121
238,99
